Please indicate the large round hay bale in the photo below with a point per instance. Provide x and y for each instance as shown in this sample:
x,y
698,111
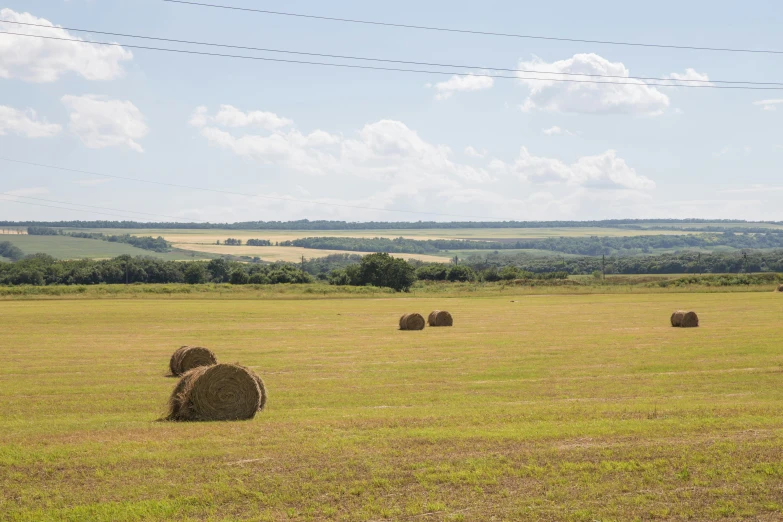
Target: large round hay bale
x,y
780,288
677,318
440,318
188,357
221,392
690,320
412,322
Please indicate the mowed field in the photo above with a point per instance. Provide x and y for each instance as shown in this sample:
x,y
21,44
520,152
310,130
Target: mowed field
x,y
290,254
530,408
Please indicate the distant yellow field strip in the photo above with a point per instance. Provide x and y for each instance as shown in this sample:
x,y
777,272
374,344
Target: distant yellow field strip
x,y
275,253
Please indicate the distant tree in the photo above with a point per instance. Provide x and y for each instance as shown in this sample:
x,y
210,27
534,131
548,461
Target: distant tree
x,y
238,277
219,270
196,273
386,271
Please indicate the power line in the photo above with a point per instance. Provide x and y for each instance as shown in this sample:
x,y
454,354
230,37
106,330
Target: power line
x,y
395,69
384,60
476,32
232,193
65,208
92,206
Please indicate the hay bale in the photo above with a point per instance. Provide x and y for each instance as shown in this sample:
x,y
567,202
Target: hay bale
x,y
780,288
187,358
677,318
690,320
412,322
221,392
440,318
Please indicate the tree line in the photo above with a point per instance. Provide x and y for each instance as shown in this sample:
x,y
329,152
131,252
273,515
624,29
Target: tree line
x,y
374,269
306,224
588,246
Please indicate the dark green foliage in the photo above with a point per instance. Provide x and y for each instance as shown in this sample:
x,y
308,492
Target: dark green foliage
x,y
9,250
259,242
196,273
238,277
590,246
461,273
219,270
385,271
42,231
233,242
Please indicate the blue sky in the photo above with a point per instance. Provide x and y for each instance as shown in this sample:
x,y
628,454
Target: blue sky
x,y
336,139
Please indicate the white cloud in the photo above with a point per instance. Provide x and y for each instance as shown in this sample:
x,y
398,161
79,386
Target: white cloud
x,y
557,131
689,77
385,150
769,105
602,171
42,60
467,83
229,116
25,123
722,152
621,96
101,122
472,152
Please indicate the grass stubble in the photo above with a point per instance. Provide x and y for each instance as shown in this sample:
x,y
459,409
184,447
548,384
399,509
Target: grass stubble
x,y
556,407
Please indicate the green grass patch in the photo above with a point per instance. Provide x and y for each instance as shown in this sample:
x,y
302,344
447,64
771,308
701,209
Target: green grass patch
x,y
64,247
532,407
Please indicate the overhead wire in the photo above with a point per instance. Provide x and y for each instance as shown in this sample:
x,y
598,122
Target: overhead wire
x,y
671,82
383,60
90,206
477,32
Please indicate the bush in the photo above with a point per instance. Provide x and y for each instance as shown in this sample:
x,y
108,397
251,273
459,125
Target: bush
x,y
461,273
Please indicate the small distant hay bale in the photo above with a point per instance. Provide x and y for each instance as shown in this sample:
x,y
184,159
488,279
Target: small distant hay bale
x,y
440,318
412,322
683,319
221,392
780,288
677,318
187,358
690,320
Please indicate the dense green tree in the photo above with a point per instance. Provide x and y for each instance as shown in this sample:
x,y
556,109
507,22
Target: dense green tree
x,y
196,273
219,270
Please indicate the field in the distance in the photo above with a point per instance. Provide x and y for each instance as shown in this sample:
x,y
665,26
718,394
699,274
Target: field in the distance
x,y
531,408
64,247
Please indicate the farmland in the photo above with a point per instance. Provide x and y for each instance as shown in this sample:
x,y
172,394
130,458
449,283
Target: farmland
x,y
64,247
549,407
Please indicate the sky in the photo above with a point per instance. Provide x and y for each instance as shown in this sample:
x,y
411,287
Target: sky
x,y
283,141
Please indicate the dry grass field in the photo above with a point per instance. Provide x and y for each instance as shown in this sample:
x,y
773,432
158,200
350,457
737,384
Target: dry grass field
x,y
290,254
532,407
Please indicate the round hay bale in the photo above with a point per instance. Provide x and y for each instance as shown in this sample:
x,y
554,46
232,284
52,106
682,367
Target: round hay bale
x,y
440,318
677,318
690,320
221,392
412,322
188,357
780,288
